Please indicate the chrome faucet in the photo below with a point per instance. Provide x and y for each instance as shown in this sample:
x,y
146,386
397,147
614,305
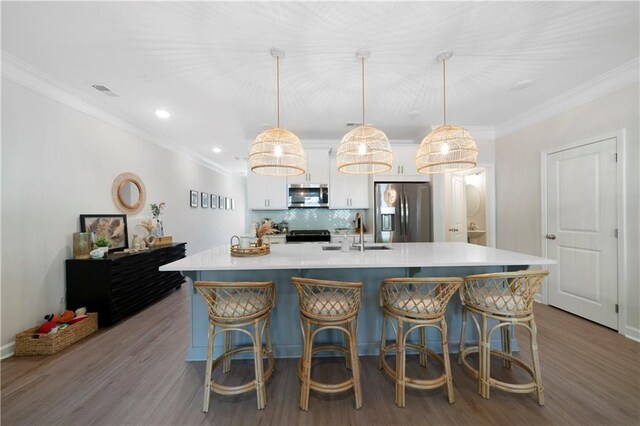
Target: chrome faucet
x,y
361,226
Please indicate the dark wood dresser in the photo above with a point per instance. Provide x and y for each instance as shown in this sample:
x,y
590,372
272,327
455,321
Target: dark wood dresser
x,y
122,284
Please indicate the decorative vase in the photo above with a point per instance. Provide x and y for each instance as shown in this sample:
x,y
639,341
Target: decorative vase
x,y
135,243
159,230
259,242
82,245
150,240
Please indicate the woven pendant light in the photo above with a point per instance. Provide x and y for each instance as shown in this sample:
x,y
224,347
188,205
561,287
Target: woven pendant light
x,y
365,149
277,151
448,148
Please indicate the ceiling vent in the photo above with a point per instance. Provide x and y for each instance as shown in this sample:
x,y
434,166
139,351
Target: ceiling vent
x,y
105,90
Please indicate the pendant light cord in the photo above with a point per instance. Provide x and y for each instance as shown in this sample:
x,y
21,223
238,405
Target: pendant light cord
x,y
362,59
444,89
278,90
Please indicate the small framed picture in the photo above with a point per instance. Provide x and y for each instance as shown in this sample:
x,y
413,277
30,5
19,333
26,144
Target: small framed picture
x,y
204,200
214,201
193,198
221,202
233,204
227,203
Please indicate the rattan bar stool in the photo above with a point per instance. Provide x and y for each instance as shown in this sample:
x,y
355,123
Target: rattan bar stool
x,y
244,307
506,298
416,303
326,305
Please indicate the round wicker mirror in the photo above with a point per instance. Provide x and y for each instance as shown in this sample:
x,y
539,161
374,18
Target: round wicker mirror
x,y
129,193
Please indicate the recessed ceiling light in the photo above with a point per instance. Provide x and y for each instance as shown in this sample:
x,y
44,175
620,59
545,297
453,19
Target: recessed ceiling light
x,y
523,84
216,150
413,114
160,113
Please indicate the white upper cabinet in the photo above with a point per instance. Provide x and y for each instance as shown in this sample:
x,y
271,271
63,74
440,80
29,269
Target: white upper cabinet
x,y
404,163
266,192
347,191
317,168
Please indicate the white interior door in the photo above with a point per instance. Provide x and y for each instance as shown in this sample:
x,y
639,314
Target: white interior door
x,y
581,234
458,221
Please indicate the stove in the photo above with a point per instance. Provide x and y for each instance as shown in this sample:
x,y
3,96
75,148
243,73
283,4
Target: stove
x,y
309,235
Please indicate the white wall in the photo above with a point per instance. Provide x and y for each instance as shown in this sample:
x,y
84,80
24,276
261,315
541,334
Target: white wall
x,y
59,162
518,177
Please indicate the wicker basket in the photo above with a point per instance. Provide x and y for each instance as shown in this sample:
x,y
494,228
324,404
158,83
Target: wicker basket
x,y
29,342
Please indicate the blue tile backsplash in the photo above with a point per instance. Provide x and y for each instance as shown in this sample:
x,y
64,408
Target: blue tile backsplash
x,y
309,218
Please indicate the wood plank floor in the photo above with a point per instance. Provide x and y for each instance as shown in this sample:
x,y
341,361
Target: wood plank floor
x,y
134,374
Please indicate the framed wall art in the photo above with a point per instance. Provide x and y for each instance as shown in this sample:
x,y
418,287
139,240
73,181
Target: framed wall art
x,y
112,226
214,201
233,203
204,200
221,202
227,203
193,198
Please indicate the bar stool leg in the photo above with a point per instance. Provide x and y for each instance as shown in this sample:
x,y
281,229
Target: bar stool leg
x,y
485,360
355,362
400,365
447,361
259,371
207,372
268,333
226,364
505,334
463,334
306,366
536,362
423,344
383,341
347,355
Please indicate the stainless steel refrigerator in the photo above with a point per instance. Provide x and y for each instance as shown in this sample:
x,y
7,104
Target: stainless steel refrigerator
x,y
403,212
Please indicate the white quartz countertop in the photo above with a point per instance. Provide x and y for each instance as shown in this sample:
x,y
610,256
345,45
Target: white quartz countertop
x,y
311,256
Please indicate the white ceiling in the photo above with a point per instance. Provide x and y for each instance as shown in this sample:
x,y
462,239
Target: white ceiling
x,y
209,63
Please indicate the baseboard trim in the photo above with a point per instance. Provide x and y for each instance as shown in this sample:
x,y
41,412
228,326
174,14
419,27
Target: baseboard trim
x,y
7,350
632,333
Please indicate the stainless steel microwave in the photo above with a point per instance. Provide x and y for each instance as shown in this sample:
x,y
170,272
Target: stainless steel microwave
x,y
308,195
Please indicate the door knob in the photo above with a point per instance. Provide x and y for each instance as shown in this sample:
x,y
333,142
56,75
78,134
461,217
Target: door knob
x,y
550,237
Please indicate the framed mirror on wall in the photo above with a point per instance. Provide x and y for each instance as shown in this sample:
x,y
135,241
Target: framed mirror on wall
x,y
129,193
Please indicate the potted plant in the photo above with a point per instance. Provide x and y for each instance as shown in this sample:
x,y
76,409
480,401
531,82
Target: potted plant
x,y
102,243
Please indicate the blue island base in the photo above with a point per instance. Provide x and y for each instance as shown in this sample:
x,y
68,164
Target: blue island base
x,y
285,324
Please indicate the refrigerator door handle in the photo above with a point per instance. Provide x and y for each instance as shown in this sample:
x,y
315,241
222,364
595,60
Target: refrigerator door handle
x,y
401,215
406,216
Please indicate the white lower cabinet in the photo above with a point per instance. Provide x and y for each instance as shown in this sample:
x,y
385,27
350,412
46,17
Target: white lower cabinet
x,y
337,238
347,191
277,238
266,192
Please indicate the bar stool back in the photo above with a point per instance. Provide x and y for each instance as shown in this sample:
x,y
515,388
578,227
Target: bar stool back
x,y
418,303
328,305
244,307
507,299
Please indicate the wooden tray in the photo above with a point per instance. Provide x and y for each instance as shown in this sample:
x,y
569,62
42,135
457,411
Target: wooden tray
x,y
253,250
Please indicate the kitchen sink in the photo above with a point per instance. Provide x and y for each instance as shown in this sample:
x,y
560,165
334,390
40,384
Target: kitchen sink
x,y
366,248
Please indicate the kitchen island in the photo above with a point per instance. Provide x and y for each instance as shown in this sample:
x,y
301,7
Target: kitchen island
x,y
370,267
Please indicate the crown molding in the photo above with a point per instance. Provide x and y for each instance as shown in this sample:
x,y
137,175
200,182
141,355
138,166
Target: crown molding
x,y
32,78
608,82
